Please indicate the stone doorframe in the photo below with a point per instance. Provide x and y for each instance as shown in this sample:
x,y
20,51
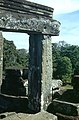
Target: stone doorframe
x,y
37,21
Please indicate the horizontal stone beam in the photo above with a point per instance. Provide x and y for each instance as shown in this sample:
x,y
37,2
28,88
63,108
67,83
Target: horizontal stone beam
x,y
24,16
10,21
23,6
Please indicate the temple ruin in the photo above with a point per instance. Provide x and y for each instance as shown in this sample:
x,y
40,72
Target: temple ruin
x,y
37,21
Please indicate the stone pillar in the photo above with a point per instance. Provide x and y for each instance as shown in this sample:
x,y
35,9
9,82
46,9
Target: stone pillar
x,y
1,58
46,72
34,80
40,71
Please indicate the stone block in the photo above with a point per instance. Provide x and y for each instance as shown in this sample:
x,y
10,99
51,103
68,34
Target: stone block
x,y
66,108
65,117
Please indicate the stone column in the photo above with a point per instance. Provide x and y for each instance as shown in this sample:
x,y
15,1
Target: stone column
x,y
40,71
34,80
1,58
46,79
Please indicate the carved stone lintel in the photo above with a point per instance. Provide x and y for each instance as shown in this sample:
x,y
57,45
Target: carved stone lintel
x,y
23,23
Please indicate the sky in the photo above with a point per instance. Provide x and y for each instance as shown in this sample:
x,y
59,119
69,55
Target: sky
x,y
62,8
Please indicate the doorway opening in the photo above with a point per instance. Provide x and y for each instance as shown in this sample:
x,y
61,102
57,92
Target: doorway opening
x,y
15,64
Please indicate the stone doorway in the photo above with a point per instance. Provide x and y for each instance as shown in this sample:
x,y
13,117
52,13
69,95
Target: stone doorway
x,y
37,21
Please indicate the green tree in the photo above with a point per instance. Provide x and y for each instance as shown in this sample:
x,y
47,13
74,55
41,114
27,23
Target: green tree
x,y
62,49
23,57
73,53
9,54
55,51
12,57
63,69
55,56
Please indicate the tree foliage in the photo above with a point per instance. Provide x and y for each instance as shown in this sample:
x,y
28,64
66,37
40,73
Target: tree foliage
x,y
65,60
72,52
22,57
63,68
13,57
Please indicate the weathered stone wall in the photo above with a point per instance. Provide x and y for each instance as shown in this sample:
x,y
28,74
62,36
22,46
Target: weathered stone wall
x,y
1,57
